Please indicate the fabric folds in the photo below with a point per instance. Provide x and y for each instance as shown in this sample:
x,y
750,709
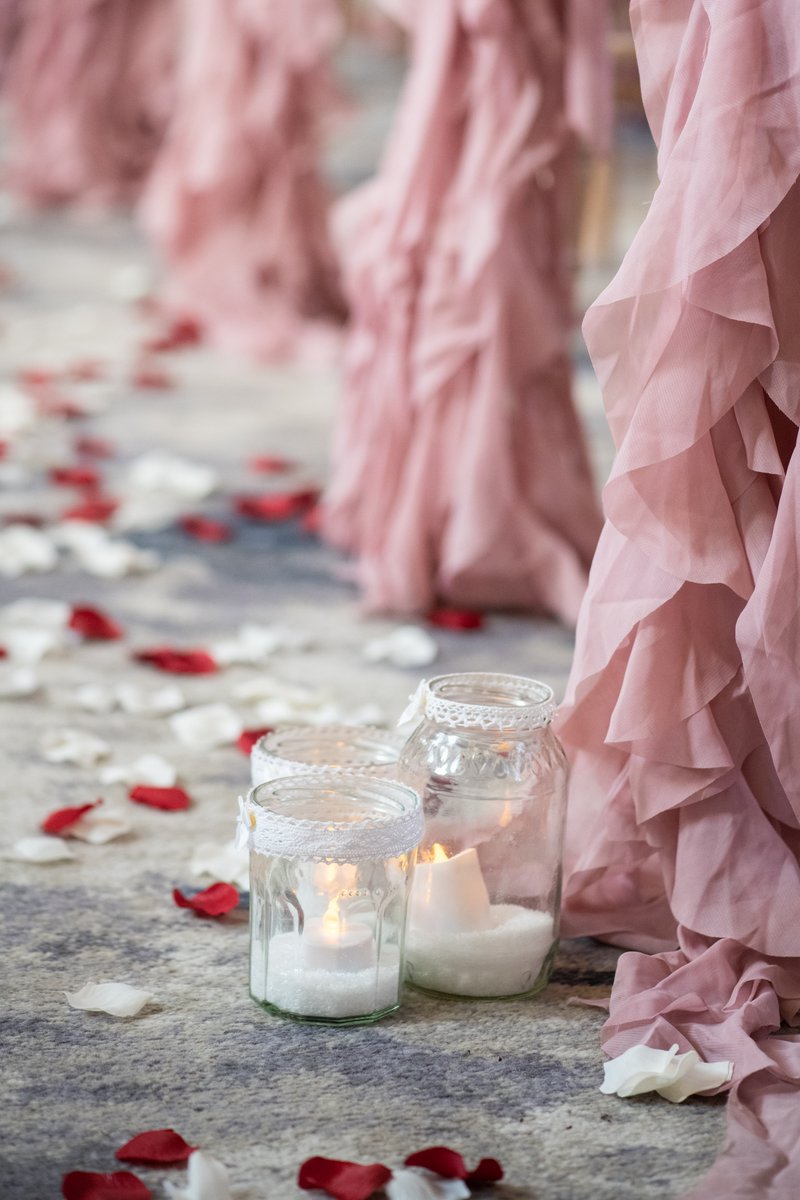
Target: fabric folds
x,y
683,710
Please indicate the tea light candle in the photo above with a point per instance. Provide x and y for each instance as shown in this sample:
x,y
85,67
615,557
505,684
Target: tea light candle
x,y
460,943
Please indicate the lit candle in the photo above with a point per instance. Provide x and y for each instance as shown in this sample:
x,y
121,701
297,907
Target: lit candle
x,y
461,944
331,944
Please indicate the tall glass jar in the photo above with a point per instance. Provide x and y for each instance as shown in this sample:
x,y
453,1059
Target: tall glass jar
x,y
483,917
305,749
331,861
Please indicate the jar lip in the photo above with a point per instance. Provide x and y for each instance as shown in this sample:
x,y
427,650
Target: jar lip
x,y
488,700
282,748
277,796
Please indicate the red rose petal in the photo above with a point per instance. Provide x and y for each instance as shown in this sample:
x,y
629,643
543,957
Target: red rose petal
x,y
213,901
94,625
184,331
3,652
78,477
168,799
271,464
23,518
93,447
342,1180
98,510
206,529
248,738
155,1146
54,404
36,377
152,378
86,370
90,1185
456,618
450,1165
277,506
178,662
62,818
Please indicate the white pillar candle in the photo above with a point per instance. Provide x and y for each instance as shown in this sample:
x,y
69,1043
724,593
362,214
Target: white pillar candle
x,y
331,944
449,894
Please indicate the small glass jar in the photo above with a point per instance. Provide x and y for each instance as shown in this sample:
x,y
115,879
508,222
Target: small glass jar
x,y
331,861
483,915
306,749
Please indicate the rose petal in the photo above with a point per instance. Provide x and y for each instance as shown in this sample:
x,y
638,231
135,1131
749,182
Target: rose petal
x,y
213,901
40,850
73,746
162,472
91,1185
205,529
92,447
151,378
156,701
149,769
248,738
230,863
207,1179
17,411
207,725
184,331
146,511
98,828
155,1147
34,612
86,370
456,618
77,477
24,518
93,624
169,799
116,999
271,464
342,1180
675,1076
416,1184
276,506
61,818
448,1163
255,643
92,697
24,549
29,644
97,510
178,662
16,682
406,646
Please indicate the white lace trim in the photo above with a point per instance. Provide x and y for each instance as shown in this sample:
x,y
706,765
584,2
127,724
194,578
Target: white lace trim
x,y
463,715
336,841
266,765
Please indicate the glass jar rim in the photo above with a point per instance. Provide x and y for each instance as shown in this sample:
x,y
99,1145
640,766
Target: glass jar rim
x,y
485,700
282,749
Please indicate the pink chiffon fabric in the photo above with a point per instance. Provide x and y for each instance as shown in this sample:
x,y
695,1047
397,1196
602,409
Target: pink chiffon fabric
x,y
683,710
460,473
88,91
236,204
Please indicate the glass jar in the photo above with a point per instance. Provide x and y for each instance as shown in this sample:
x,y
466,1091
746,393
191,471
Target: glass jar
x,y
331,860
305,749
483,915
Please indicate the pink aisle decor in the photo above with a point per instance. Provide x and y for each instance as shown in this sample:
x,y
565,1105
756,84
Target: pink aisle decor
x,y
237,206
683,710
460,471
88,89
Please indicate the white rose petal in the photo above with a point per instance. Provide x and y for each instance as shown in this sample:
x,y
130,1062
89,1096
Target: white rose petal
x,y
137,700
24,549
91,697
40,850
675,1076
145,511
35,612
78,535
151,770
73,746
116,999
27,644
17,410
229,863
207,725
16,682
159,471
406,646
281,712
255,643
115,559
98,827
414,1183
206,1179
266,687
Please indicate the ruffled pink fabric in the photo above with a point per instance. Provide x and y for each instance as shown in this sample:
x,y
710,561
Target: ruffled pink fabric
x,y
460,470
683,710
236,204
89,89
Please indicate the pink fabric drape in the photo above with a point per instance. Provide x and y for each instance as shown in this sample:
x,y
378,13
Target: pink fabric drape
x,y
683,710
460,470
236,204
88,90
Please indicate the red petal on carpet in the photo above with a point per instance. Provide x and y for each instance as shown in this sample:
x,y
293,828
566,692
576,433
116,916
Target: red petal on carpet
x,y
62,818
93,447
271,464
78,477
342,1180
450,1165
248,738
90,1185
158,1146
213,901
94,625
152,378
277,506
206,529
168,799
461,619
98,510
184,331
178,662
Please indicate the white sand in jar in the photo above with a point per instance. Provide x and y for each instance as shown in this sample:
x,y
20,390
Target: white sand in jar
x,y
502,960
295,987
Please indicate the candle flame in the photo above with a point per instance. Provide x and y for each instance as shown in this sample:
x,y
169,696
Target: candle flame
x,y
332,921
506,815
439,853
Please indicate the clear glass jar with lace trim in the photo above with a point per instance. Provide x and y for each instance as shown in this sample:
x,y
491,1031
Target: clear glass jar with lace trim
x,y
331,861
306,749
483,916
